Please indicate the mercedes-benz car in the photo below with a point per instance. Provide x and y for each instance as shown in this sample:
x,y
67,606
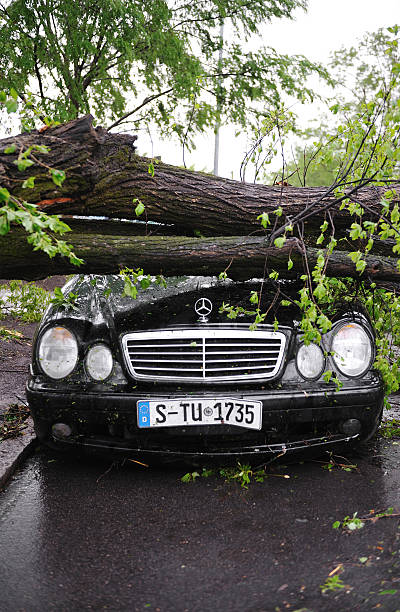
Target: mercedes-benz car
x,y
169,374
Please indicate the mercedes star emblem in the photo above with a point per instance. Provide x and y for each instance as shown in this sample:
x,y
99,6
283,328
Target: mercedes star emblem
x,y
203,307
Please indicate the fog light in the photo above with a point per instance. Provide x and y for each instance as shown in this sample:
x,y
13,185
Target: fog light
x,y
351,427
61,430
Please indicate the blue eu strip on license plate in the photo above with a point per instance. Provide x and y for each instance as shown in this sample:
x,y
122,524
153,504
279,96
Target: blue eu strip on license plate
x,y
143,414
199,411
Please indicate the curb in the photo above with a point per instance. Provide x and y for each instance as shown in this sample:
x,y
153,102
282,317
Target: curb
x,y
14,451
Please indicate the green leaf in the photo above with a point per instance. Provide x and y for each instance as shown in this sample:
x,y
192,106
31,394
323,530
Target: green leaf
x,y
4,225
355,256
29,183
13,93
10,149
361,265
388,592
289,264
356,231
324,323
23,164
264,219
254,297
280,241
145,283
74,260
130,290
336,525
41,148
363,559
139,210
58,176
4,194
320,291
11,106
58,293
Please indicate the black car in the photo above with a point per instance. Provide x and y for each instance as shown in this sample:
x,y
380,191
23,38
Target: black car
x,y
169,374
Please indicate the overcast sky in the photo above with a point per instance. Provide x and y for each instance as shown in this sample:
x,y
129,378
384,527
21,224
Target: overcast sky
x,y
327,26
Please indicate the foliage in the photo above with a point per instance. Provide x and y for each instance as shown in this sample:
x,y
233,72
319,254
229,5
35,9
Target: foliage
x,y
361,73
363,149
9,334
12,421
363,70
161,57
332,583
334,463
41,229
350,523
62,300
242,474
354,523
390,428
26,301
136,278
190,477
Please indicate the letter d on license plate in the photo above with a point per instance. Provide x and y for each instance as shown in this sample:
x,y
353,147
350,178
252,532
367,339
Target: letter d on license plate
x,y
199,411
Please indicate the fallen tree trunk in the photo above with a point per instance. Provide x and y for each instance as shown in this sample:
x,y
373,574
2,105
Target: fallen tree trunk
x,y
241,257
104,175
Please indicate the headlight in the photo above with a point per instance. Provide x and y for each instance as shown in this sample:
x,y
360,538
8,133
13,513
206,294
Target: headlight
x,y
99,362
310,361
58,352
352,349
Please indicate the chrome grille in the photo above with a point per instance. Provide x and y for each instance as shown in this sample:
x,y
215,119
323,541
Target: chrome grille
x,y
209,355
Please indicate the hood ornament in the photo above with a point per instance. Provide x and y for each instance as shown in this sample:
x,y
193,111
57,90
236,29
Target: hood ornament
x,y
203,308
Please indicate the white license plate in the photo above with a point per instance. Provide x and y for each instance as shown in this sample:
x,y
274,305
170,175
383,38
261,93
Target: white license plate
x,y
195,411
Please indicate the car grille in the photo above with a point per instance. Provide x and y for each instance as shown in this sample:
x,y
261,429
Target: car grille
x,y
209,355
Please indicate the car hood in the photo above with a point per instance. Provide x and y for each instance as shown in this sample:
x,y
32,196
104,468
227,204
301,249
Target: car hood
x,y
100,299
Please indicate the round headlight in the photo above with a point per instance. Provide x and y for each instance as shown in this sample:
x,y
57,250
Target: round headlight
x,y
99,362
352,349
310,361
58,352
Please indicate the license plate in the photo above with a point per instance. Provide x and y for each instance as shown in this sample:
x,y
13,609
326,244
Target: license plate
x,y
194,411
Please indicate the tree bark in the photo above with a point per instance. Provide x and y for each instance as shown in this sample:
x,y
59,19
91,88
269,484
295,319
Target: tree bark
x,y
242,257
105,175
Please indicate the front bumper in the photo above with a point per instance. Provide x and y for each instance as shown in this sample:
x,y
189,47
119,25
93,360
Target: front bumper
x,y
294,419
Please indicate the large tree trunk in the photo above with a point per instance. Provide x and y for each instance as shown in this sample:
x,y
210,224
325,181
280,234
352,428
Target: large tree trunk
x,y
105,175
242,257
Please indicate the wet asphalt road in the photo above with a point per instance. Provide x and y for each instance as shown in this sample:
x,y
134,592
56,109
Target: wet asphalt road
x,y
76,535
